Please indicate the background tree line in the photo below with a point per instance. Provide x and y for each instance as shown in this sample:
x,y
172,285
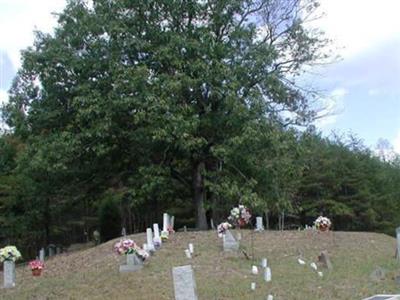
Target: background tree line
x,y
133,108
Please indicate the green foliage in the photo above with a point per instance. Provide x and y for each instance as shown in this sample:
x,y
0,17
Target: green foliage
x,y
109,217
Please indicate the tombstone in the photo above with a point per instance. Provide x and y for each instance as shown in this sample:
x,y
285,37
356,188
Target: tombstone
x,y
133,264
184,283
264,263
253,286
398,243
191,248
58,250
51,250
188,254
378,274
270,297
230,244
184,228
150,245
267,275
172,223
41,255
157,239
9,274
212,224
254,270
259,224
384,297
165,223
123,232
324,260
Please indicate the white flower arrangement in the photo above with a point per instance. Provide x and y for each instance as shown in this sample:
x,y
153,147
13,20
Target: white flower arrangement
x,y
240,215
322,223
9,253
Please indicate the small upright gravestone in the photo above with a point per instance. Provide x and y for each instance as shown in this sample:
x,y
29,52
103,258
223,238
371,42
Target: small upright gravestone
x,y
230,244
166,221
149,235
184,283
398,243
9,274
41,254
52,250
259,224
133,263
157,239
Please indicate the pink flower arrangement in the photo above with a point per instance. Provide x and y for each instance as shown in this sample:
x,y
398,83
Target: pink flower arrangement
x,y
240,215
130,247
36,265
222,228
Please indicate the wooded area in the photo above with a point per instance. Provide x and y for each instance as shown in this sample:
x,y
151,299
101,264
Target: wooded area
x,y
133,108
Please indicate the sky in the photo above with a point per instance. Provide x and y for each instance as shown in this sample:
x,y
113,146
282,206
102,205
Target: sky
x,y
362,89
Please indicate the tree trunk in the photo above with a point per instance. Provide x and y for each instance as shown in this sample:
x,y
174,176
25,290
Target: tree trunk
x,y
267,219
198,195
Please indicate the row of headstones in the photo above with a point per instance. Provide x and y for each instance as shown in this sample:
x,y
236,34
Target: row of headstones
x,y
9,276
153,243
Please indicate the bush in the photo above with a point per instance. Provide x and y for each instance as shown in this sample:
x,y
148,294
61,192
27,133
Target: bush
x,y
109,218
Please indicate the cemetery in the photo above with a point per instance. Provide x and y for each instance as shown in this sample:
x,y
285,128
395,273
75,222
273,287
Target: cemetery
x,y
200,150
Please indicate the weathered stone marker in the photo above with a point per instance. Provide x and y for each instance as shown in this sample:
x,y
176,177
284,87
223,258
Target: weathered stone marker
x,y
324,260
184,283
259,224
398,243
157,239
165,223
383,297
41,254
172,222
133,263
149,235
230,244
9,274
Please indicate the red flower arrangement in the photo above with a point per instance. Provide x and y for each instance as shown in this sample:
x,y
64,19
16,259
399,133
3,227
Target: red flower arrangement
x,y
36,266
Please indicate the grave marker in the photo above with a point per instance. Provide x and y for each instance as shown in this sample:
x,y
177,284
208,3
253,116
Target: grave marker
x,y
157,239
41,254
9,274
384,297
230,244
259,224
398,243
133,263
184,283
149,235
324,260
267,275
165,223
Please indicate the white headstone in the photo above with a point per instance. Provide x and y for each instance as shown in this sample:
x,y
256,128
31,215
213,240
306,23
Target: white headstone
x,y
230,244
212,224
254,270
398,242
270,297
156,230
184,283
259,224
253,286
267,275
150,245
264,263
187,252
191,248
41,254
9,274
165,222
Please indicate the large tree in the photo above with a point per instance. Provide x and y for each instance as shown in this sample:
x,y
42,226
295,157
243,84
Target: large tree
x,y
151,95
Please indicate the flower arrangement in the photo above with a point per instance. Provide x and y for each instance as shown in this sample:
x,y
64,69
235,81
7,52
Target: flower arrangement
x,y
322,223
240,215
164,236
9,253
222,228
170,229
130,247
36,267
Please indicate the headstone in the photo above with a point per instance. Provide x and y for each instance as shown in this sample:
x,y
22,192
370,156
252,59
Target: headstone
x,y
254,270
267,275
41,254
230,244
398,242
184,228
165,222
150,245
313,265
133,263
184,283
188,254
51,250
9,274
384,297
378,274
123,232
172,223
259,224
157,239
212,224
253,286
58,250
191,248
264,263
324,260
238,236
270,297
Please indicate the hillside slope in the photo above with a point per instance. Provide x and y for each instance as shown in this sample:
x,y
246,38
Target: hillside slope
x,y
93,273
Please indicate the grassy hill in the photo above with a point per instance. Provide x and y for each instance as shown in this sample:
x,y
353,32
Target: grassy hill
x,y
93,273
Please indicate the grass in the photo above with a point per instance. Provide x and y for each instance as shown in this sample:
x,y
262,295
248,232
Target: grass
x,y
93,273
